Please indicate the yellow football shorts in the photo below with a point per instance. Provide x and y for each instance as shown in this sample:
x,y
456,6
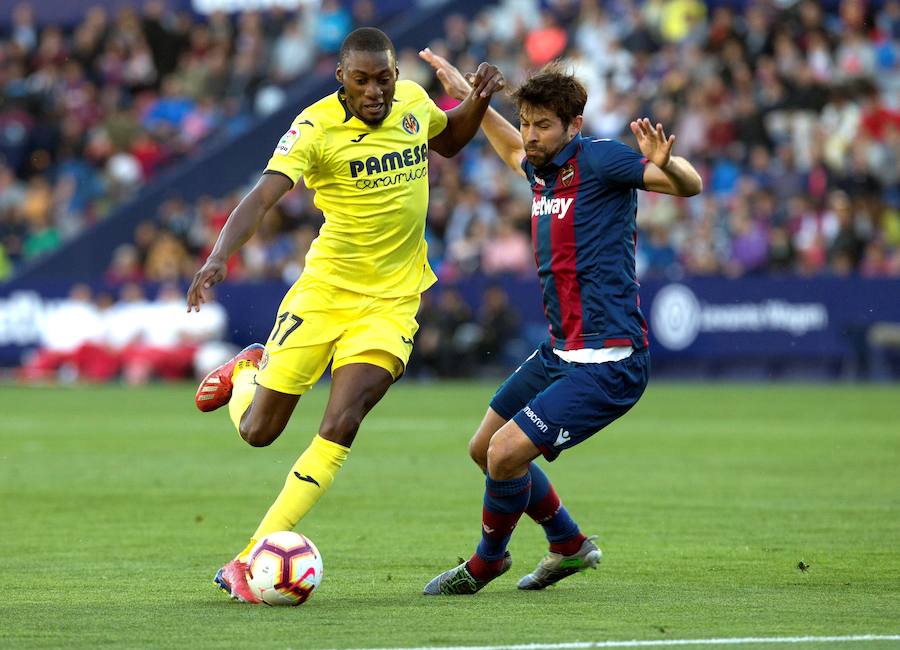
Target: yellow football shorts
x,y
318,322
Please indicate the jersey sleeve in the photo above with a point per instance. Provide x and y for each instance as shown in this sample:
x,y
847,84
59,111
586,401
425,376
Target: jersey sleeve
x,y
437,119
617,163
298,149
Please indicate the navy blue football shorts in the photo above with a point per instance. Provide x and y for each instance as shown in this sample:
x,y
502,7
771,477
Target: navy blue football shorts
x,y
560,404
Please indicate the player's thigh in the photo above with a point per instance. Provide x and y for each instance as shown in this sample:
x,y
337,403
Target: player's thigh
x,y
587,398
285,373
355,389
370,355
533,376
520,387
267,416
510,452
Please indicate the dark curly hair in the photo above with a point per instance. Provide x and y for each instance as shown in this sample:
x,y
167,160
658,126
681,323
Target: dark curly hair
x,y
554,88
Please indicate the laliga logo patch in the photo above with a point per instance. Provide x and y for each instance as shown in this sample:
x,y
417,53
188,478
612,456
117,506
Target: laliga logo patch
x,y
410,124
265,360
288,139
566,174
287,142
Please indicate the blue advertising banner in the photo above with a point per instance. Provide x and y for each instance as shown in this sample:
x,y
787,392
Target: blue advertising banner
x,y
790,317
790,320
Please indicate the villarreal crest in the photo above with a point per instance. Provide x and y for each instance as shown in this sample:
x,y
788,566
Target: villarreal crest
x,y
410,124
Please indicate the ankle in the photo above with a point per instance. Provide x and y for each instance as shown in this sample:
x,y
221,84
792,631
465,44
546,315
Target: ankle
x,y
482,569
568,546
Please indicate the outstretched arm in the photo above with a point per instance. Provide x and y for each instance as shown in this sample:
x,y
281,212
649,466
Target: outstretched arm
x,y
664,172
241,225
502,135
463,121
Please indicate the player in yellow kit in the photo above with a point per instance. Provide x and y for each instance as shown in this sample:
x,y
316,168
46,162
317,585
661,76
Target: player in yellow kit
x,y
364,151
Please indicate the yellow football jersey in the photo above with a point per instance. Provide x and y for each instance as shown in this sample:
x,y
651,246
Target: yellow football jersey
x,y
371,183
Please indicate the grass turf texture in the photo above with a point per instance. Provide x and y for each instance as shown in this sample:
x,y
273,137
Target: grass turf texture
x,y
118,506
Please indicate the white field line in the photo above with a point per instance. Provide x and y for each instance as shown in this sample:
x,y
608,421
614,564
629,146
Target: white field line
x,y
587,645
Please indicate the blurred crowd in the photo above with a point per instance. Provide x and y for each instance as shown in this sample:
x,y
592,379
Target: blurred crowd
x,y
126,336
790,111
455,340
102,337
91,111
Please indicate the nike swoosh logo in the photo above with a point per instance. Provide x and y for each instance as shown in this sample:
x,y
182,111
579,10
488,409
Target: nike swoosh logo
x,y
305,122
406,340
359,137
308,479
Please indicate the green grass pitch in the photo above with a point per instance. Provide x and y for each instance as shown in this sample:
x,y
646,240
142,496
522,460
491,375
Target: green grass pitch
x,y
117,506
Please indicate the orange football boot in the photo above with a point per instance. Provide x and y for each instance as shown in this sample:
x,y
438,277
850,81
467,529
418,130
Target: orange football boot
x,y
215,389
232,579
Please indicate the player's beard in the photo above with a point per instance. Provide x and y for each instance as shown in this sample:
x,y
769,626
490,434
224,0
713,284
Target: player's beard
x,y
539,156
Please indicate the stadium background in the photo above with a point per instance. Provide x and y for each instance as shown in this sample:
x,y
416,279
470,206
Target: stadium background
x,y
128,131
725,510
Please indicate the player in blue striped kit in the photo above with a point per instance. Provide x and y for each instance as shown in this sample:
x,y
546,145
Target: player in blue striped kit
x,y
595,364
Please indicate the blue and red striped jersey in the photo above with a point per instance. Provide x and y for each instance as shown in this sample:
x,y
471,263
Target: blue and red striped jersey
x,y
583,224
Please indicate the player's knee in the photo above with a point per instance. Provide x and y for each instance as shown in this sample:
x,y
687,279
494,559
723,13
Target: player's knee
x,y
341,428
478,451
501,463
257,434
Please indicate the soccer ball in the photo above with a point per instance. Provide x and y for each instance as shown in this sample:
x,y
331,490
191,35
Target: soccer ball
x,y
284,568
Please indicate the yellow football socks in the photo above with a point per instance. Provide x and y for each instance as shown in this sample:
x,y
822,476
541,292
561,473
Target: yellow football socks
x,y
244,385
307,481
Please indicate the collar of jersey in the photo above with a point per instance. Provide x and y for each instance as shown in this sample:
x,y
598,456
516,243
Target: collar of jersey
x,y
350,116
561,158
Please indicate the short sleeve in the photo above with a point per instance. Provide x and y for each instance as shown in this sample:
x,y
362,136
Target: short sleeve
x,y
298,148
617,163
437,119
417,96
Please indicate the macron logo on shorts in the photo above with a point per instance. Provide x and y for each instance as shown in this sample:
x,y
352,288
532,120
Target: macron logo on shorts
x,y
538,422
562,438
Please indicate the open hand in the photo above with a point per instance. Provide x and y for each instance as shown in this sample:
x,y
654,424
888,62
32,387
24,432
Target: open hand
x,y
450,77
211,273
654,144
484,82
